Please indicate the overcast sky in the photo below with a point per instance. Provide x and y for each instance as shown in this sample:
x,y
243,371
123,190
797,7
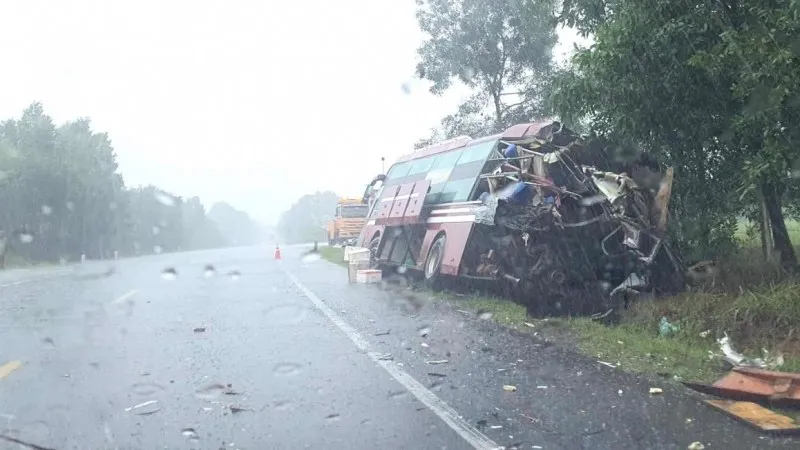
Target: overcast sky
x,y
253,102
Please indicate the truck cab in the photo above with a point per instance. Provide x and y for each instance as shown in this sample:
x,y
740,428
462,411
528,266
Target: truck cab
x,y
347,221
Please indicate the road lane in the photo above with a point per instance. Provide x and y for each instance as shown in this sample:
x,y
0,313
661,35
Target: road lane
x,y
217,362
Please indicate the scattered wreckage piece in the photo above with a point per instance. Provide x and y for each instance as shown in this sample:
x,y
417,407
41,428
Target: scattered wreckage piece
x,y
757,416
753,384
533,209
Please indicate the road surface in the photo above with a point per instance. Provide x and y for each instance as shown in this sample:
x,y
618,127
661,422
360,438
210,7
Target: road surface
x,y
265,354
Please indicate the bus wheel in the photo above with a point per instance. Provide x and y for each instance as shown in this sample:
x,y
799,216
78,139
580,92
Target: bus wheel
x,y
433,263
373,252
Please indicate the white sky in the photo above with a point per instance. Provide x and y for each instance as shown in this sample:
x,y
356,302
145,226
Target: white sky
x,y
254,102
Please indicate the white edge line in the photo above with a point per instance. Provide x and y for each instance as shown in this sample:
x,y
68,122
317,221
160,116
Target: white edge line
x,y
469,433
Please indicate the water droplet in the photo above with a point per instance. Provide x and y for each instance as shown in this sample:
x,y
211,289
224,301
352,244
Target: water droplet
x,y
424,331
406,88
286,369
112,206
46,210
3,175
402,269
311,257
165,199
211,391
62,261
169,274
70,206
26,238
397,394
485,315
234,275
49,340
283,405
288,313
190,434
156,230
333,416
146,389
157,249
436,386
209,271
146,408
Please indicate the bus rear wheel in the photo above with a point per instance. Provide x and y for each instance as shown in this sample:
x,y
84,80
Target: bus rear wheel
x,y
433,263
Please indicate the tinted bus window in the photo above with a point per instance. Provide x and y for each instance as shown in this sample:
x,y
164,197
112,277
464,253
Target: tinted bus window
x,y
465,174
439,173
397,174
419,169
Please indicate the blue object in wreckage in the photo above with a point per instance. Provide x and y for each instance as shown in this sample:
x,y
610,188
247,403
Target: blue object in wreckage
x,y
518,193
511,151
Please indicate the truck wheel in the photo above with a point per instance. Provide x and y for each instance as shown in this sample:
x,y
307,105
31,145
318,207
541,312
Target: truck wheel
x,y
433,263
373,252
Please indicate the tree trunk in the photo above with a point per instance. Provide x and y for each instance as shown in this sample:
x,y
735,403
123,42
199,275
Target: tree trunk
x,y
764,228
498,111
780,235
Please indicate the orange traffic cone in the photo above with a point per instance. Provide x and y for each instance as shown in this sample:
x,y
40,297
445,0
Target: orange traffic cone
x,y
277,252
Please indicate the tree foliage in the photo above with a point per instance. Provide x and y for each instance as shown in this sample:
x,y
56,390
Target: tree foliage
x,y
61,196
306,220
501,49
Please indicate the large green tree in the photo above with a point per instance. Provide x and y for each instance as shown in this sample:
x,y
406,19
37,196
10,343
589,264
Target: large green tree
x,y
677,79
501,49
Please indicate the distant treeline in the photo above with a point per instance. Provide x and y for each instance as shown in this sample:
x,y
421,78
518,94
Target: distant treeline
x,y
61,196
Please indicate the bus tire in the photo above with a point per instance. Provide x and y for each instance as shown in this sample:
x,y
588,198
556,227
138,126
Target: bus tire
x,y
373,251
433,262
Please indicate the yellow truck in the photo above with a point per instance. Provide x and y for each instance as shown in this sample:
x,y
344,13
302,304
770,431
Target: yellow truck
x,y
347,222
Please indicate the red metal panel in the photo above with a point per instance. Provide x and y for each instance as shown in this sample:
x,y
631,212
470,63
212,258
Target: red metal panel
x,y
457,237
399,204
385,204
430,233
368,233
415,201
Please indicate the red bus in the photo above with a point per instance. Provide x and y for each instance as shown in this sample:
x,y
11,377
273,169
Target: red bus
x,y
527,207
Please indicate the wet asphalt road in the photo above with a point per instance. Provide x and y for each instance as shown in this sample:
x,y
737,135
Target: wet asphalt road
x,y
265,354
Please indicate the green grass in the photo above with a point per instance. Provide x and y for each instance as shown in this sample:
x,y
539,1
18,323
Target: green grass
x,y
333,254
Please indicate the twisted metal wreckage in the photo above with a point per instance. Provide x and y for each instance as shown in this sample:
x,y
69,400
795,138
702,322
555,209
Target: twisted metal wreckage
x,y
567,234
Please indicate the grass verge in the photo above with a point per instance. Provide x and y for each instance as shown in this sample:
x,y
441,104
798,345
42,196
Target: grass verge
x,y
333,254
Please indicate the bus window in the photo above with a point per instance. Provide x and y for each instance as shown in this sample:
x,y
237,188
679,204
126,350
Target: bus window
x,y
419,169
397,174
439,173
463,177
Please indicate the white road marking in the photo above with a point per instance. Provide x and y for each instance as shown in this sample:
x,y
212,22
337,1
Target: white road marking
x,y
470,434
31,280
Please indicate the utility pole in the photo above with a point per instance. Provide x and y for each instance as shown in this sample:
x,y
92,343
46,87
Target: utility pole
x,y
383,167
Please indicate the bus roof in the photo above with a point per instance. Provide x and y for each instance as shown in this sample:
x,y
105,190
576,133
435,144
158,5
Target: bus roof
x,y
518,131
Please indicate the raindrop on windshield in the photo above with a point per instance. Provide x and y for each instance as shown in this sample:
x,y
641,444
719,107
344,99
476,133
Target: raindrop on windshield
x,y
112,206
3,175
287,313
593,200
209,271
164,199
146,389
234,275
406,87
333,416
156,230
70,206
26,238
157,249
190,434
485,315
424,331
286,369
46,210
211,391
169,274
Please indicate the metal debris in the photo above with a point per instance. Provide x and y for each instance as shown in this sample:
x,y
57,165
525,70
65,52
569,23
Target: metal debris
x,y
737,359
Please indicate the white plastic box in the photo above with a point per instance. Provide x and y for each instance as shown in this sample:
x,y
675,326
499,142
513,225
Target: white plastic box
x,y
368,276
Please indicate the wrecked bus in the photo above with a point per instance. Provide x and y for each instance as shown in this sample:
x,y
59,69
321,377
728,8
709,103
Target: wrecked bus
x,y
530,208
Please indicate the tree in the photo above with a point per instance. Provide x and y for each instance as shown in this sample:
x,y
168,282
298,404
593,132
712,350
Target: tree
x,y
662,77
499,48
306,220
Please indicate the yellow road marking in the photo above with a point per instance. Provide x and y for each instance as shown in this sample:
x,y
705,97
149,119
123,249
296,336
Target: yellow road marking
x,y
7,368
124,297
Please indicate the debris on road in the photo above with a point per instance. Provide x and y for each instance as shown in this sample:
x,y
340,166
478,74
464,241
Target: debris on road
x,y
440,361
541,387
656,391
696,446
753,384
199,330
757,416
528,324
607,364
509,388
385,333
